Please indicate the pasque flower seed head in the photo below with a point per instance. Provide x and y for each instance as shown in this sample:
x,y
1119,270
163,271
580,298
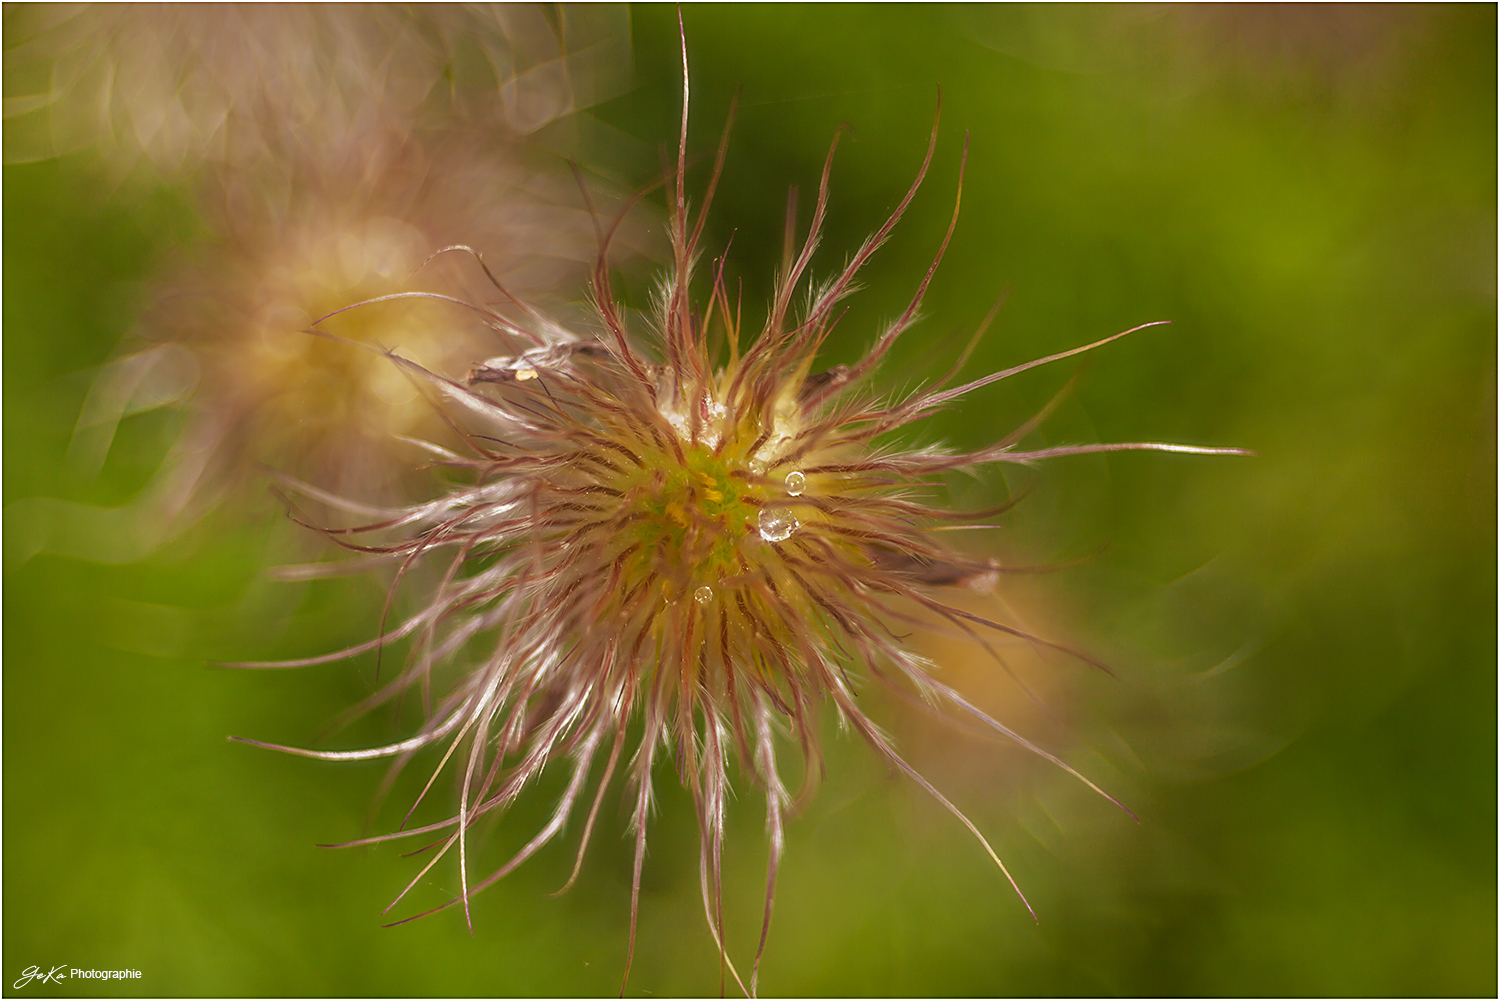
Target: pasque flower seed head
x,y
248,86
700,543
330,148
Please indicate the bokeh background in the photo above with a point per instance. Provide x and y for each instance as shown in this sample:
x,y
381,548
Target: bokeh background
x,y
1304,707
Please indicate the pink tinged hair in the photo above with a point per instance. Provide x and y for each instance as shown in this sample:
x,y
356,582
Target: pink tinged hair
x,y
492,707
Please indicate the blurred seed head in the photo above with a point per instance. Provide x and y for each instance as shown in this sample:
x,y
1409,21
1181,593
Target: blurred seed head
x,y
684,545
359,224
344,146
249,85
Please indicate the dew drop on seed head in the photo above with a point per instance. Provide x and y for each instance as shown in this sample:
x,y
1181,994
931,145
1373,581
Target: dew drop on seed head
x,y
776,526
796,483
703,595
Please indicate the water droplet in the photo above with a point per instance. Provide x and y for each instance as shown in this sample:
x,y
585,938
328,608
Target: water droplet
x,y
703,595
776,526
796,483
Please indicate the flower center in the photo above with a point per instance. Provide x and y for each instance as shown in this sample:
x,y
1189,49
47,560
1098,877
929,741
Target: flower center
x,y
686,518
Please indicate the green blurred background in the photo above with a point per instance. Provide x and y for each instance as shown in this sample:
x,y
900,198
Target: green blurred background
x,y
1305,713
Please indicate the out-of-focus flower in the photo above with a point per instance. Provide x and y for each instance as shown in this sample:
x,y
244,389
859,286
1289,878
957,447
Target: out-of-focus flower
x,y
347,144
246,85
707,539
357,224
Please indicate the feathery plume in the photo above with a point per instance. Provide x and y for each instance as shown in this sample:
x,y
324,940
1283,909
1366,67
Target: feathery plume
x,y
344,144
357,223
706,539
246,85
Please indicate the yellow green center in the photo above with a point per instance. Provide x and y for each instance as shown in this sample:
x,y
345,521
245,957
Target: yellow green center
x,y
687,517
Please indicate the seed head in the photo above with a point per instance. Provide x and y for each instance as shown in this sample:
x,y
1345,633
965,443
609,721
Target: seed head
x,y
332,148
709,539
357,222
249,86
